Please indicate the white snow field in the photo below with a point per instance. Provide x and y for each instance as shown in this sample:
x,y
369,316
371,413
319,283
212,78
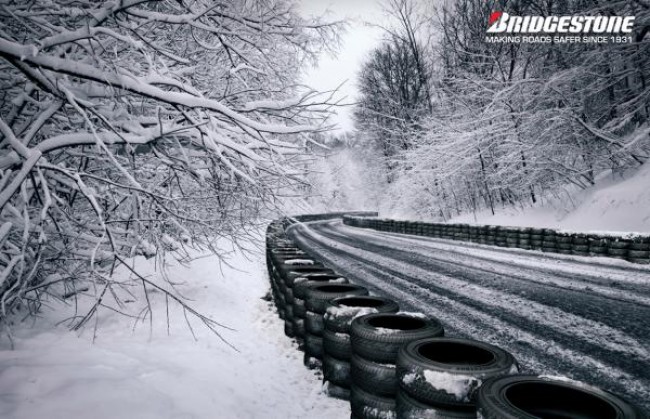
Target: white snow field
x,y
146,373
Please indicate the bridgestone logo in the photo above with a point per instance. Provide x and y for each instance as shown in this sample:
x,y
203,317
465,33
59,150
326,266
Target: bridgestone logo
x,y
501,22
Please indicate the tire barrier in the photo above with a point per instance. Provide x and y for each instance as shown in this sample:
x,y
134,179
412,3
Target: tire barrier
x,y
376,340
317,298
398,365
631,247
337,348
528,397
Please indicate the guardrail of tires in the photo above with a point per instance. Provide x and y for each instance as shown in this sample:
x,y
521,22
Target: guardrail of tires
x,y
634,248
397,365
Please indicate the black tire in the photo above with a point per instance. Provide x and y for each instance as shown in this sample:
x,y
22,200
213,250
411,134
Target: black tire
x,y
314,323
313,346
299,309
337,344
289,276
298,327
317,297
336,371
302,283
638,254
447,371
369,340
288,328
288,311
337,392
366,405
409,408
527,396
617,253
341,311
373,377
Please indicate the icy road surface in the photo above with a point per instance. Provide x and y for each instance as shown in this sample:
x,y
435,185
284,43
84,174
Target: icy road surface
x,y
584,318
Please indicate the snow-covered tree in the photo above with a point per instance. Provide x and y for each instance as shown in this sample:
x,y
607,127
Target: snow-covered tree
x,y
133,126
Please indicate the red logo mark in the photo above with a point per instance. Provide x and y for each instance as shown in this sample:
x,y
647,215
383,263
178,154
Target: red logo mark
x,y
494,17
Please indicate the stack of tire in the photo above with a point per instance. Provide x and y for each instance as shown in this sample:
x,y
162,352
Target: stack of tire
x,y
438,376
300,285
317,298
337,349
639,250
376,340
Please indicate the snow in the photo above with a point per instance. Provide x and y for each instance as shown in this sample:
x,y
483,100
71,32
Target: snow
x,y
616,203
458,385
134,371
298,262
348,312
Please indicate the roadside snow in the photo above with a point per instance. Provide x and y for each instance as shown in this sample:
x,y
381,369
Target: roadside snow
x,y
145,373
613,204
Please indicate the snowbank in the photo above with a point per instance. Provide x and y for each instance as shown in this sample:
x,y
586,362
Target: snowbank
x,y
613,204
146,373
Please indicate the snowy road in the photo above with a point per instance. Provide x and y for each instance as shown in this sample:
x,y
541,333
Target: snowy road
x,y
584,318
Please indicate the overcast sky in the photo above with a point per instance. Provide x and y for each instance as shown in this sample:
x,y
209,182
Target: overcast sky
x,y
357,42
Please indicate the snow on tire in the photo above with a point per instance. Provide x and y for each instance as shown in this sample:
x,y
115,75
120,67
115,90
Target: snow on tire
x,y
409,408
341,311
528,397
446,371
378,337
317,297
306,281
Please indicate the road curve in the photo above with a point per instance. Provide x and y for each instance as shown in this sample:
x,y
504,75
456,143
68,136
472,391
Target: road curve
x,y
583,318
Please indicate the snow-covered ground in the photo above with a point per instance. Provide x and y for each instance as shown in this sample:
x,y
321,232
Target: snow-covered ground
x,y
613,204
146,373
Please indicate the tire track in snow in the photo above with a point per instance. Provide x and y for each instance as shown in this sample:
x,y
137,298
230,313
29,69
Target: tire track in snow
x,y
462,284
471,320
582,301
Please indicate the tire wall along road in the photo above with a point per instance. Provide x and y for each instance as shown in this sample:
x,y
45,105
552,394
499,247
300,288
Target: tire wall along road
x,y
583,318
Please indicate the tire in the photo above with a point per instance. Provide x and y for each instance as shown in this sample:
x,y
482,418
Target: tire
x,y
301,284
445,372
336,371
638,254
341,311
298,327
288,328
288,311
314,346
366,405
317,297
373,377
289,276
618,253
337,392
409,408
527,396
369,340
299,309
337,344
619,244
314,323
